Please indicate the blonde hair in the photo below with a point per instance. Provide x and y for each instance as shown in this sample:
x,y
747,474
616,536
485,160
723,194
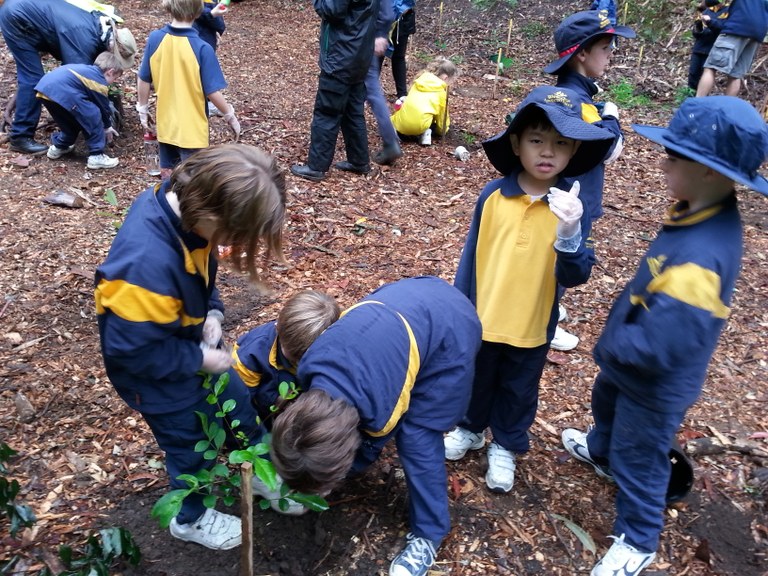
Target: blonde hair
x,y
302,319
441,66
107,60
184,10
314,441
243,190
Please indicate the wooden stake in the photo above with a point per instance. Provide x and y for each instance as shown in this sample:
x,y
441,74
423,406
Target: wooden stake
x,y
509,37
626,7
246,519
440,25
498,69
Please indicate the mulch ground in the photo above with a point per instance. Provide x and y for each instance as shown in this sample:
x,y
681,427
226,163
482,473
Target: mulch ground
x,y
86,461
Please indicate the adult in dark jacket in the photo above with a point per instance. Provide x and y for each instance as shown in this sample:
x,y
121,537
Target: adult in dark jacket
x,y
70,33
735,48
347,35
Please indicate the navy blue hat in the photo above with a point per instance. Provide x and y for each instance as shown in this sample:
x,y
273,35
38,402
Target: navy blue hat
x,y
562,108
724,133
576,30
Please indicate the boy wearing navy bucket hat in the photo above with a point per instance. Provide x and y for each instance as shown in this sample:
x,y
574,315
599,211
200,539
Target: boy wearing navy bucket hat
x,y
584,42
528,234
662,330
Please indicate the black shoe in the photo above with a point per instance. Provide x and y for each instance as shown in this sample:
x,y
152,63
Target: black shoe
x,y
304,171
388,154
27,145
349,167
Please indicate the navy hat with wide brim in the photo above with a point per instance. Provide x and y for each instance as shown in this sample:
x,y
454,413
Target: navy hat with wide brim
x,y
724,133
561,106
577,30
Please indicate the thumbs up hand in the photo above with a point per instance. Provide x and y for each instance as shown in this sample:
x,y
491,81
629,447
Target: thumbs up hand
x,y
568,209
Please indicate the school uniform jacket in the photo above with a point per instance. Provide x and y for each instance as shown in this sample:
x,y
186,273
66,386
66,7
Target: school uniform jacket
x,y
208,25
426,103
83,91
395,356
153,293
663,329
184,71
261,365
747,18
592,182
510,269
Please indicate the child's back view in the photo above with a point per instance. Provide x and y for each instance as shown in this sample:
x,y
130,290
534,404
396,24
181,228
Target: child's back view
x,y
426,105
185,74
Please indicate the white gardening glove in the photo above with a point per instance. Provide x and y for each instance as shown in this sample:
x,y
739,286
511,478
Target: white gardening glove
x,y
610,109
212,328
568,209
616,152
380,46
231,120
218,10
110,134
147,122
216,361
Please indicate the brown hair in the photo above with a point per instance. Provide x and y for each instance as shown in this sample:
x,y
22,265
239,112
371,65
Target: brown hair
x,y
314,442
303,318
243,189
441,65
184,10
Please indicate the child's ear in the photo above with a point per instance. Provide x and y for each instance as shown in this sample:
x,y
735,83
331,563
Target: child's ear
x,y
514,139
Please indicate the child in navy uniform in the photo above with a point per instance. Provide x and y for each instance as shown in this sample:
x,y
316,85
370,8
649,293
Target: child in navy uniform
x,y
662,330
160,315
584,42
77,97
210,26
173,53
526,237
397,365
710,17
268,355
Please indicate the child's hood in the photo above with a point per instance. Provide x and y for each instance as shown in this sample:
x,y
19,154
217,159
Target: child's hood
x,y
428,82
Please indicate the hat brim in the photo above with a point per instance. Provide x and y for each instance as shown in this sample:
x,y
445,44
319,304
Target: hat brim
x,y
124,37
623,31
660,135
595,141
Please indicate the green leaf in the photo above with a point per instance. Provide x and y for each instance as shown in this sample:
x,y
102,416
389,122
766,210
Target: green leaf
x,y
169,506
191,481
228,406
581,534
210,454
110,197
229,500
265,471
235,423
264,504
283,388
220,438
202,446
221,384
210,501
220,470
314,502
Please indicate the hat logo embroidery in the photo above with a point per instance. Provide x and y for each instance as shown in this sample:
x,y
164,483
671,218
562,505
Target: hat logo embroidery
x,y
604,22
558,97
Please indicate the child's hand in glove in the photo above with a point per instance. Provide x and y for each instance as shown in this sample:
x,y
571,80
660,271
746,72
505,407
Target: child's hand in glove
x,y
568,209
233,123
216,361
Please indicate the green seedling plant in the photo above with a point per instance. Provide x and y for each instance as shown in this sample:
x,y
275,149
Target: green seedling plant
x,y
623,94
100,555
222,480
502,64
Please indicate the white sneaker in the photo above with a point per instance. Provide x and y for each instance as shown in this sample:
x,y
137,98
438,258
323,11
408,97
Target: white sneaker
x,y
563,340
98,161
459,440
575,442
214,530
501,469
289,507
562,313
622,560
54,152
426,138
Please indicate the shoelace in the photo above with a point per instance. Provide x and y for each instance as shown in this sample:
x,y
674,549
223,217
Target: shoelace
x,y
418,552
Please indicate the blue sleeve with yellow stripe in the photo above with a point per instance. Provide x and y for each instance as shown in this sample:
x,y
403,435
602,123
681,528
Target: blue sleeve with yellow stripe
x,y
152,294
663,329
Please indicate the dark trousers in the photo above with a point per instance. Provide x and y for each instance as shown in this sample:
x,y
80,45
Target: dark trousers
x,y
505,393
400,35
635,440
178,432
69,128
338,106
695,68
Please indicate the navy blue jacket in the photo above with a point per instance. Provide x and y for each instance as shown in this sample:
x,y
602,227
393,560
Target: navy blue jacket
x,y
663,328
153,293
208,26
748,18
592,182
393,356
705,34
347,35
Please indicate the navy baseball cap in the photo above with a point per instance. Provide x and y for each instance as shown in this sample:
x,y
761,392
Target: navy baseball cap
x,y
724,133
576,30
563,109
